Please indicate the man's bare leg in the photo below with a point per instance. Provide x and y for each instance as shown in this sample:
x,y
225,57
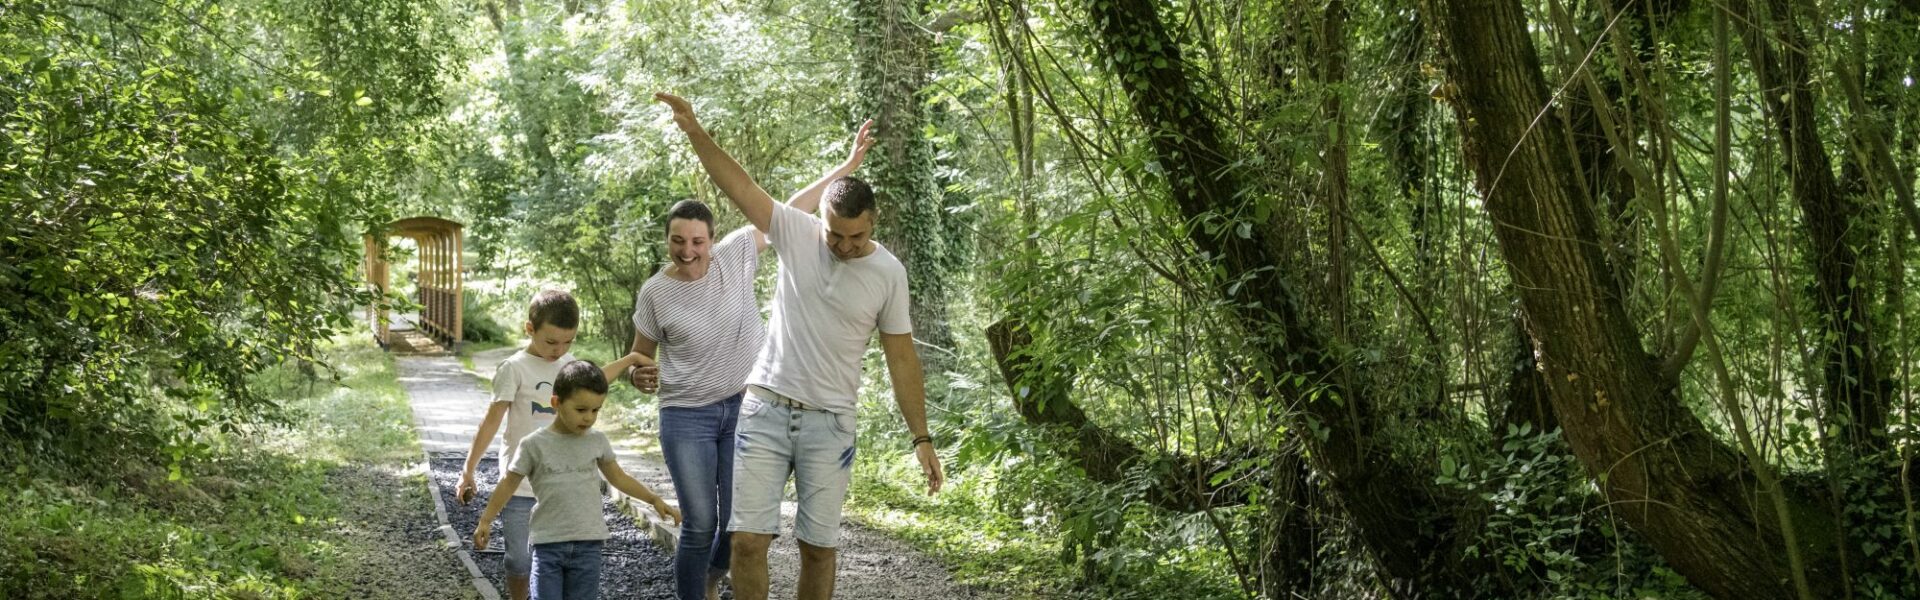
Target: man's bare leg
x,y
817,567
517,587
750,565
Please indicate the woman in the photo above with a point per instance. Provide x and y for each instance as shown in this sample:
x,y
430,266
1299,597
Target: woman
x,y
698,317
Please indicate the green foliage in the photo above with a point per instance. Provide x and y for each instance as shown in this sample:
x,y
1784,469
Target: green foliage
x,y
1545,516
563,164
477,324
1002,528
262,515
179,218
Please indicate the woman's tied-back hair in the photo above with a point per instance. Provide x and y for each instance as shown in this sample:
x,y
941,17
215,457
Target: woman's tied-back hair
x,y
690,209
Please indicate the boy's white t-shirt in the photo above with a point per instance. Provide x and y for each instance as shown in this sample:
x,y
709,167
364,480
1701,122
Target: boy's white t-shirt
x,y
825,310
525,382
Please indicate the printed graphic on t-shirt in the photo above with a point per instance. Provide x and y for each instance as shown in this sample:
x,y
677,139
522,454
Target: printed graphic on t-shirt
x,y
542,407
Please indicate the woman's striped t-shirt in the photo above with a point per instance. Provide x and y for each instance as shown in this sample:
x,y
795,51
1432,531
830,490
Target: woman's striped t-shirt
x,y
709,330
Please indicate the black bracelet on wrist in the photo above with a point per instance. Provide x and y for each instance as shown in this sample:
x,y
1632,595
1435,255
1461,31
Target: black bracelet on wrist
x,y
925,439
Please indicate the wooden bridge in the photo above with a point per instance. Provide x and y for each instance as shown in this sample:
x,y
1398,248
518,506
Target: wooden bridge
x,y
439,290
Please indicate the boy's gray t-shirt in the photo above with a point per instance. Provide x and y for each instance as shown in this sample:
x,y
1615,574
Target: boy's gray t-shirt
x,y
564,470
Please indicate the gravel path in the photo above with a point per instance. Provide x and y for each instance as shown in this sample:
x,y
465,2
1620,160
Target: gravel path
x,y
393,548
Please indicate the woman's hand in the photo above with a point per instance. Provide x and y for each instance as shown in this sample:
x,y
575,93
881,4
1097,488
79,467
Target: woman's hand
x,y
645,378
862,141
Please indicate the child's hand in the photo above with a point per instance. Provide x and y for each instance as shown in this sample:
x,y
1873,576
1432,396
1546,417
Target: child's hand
x,y
666,510
464,491
480,535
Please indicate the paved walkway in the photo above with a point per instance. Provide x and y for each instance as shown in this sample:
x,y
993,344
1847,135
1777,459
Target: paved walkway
x,y
448,402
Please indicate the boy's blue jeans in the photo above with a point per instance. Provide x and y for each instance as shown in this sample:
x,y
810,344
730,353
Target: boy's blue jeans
x,y
698,446
566,570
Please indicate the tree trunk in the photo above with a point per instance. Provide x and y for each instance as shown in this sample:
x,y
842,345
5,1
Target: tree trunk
x,y
896,52
1409,525
1407,147
1688,494
1333,176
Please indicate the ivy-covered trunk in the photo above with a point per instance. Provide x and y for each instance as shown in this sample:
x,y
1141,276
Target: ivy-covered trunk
x,y
893,69
533,124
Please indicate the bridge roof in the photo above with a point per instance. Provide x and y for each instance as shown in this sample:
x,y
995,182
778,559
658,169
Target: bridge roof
x,y
421,226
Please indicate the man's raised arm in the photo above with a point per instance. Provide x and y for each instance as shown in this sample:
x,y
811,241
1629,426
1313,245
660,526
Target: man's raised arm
x,y
726,172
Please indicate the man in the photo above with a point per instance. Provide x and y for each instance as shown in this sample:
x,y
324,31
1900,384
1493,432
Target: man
x,y
836,288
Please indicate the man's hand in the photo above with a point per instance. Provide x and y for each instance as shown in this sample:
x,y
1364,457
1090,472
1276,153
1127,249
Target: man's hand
x,y
646,379
480,535
682,110
930,465
666,510
464,491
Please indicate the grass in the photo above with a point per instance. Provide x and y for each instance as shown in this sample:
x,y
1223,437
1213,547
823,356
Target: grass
x,y
271,513
982,546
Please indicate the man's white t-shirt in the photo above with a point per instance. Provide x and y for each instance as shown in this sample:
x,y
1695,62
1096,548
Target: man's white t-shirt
x,y
708,330
525,382
825,310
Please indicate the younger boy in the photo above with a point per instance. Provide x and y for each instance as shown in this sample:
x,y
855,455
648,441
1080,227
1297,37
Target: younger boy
x,y
522,388
567,528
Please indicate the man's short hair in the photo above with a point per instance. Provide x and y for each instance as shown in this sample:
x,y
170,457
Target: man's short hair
x,y
556,308
576,376
849,197
690,209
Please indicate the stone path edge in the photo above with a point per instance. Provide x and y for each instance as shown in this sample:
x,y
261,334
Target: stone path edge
x,y
480,581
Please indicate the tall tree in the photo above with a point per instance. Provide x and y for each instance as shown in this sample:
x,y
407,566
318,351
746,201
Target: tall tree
x,y
508,23
1717,514
892,71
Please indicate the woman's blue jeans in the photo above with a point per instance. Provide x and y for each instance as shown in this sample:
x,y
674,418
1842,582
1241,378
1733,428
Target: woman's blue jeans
x,y
698,446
